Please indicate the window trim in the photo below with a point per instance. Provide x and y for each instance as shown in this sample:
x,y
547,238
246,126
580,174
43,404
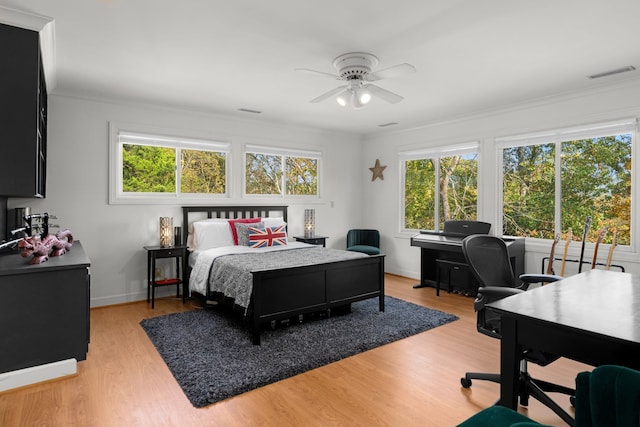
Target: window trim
x,y
593,130
123,133
283,152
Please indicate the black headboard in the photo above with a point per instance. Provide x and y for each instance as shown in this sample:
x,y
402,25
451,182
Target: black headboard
x,y
194,213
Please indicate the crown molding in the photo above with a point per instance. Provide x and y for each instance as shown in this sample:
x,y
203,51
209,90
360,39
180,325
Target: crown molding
x,y
45,26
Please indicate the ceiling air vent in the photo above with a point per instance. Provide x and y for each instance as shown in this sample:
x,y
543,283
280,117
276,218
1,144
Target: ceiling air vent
x,y
247,110
384,125
612,72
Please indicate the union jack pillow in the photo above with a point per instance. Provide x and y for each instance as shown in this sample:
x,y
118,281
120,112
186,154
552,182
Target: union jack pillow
x,y
268,236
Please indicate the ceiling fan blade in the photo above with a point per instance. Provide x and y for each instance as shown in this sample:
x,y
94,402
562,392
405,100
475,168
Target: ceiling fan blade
x,y
384,94
319,73
391,72
329,94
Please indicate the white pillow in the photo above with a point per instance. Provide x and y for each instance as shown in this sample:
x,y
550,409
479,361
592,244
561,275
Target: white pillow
x,y
273,222
211,233
192,243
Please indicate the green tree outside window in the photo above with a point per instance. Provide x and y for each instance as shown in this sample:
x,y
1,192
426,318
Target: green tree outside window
x,y
152,169
203,172
456,191
148,169
265,173
595,176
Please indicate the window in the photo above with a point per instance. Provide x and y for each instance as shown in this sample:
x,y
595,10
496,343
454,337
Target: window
x,y
148,168
553,181
439,185
278,172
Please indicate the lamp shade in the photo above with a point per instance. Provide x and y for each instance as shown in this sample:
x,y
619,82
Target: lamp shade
x,y
344,99
364,95
356,95
166,232
360,98
309,223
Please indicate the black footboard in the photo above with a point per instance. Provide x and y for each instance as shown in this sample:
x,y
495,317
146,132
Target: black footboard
x,y
280,294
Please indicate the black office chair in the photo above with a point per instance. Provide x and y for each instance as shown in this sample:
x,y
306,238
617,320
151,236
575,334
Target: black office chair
x,y
365,241
489,262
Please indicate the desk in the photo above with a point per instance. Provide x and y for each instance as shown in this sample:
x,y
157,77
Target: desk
x,y
593,318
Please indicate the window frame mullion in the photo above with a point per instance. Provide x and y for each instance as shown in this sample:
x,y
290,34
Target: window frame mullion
x,y
557,211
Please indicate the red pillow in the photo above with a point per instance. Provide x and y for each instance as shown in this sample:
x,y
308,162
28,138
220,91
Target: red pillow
x,y
232,224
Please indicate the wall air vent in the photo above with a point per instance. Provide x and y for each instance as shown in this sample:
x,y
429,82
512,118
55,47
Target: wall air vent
x,y
612,72
248,110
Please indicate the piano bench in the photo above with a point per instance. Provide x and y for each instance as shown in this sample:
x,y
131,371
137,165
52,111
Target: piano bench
x,y
449,265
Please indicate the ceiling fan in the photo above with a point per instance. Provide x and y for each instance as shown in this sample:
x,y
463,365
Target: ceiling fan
x,y
356,70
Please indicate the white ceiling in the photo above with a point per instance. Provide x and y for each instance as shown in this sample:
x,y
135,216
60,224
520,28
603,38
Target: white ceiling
x,y
219,56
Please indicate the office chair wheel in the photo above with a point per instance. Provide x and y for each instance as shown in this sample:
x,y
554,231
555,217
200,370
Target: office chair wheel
x,y
572,400
465,382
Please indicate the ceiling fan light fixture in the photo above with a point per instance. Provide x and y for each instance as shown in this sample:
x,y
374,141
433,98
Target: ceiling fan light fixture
x,y
357,104
343,99
364,96
355,69
355,96
360,98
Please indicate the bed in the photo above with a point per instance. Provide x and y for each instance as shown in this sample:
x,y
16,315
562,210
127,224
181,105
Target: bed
x,y
276,291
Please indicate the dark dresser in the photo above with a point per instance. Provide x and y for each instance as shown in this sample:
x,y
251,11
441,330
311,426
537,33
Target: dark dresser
x,y
44,309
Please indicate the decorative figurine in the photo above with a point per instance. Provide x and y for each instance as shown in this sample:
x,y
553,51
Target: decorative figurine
x,y
42,248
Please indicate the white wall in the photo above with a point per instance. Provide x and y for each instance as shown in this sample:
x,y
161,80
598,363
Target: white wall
x,y
381,198
113,235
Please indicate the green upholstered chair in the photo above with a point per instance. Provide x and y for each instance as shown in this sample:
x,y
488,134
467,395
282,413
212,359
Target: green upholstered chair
x,y
609,396
499,416
365,241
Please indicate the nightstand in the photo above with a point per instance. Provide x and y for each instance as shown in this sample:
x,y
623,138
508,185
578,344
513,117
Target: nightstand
x,y
157,252
314,240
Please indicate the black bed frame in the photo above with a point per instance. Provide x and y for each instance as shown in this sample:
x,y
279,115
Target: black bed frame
x,y
289,292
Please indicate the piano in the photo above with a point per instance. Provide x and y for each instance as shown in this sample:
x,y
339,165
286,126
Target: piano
x,y
447,245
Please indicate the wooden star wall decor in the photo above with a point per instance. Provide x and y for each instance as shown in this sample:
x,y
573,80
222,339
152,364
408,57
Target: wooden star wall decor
x,y
377,171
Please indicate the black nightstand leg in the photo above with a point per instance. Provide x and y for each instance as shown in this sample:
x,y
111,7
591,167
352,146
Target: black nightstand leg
x,y
152,279
183,272
148,276
178,275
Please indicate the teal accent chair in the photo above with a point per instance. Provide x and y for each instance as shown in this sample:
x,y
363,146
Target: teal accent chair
x,y
608,396
365,241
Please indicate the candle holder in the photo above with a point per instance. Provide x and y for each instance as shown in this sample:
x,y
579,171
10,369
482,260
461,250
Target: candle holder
x,y
309,223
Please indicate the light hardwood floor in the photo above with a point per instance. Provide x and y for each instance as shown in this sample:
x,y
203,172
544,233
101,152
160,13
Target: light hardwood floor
x,y
412,382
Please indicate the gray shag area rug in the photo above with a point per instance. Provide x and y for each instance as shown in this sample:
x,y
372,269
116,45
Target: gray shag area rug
x,y
211,355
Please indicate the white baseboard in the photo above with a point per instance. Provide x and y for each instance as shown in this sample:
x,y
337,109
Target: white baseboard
x,y
36,374
164,291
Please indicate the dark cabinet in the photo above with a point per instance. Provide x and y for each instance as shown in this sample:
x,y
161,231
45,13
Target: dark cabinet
x,y
44,309
23,114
